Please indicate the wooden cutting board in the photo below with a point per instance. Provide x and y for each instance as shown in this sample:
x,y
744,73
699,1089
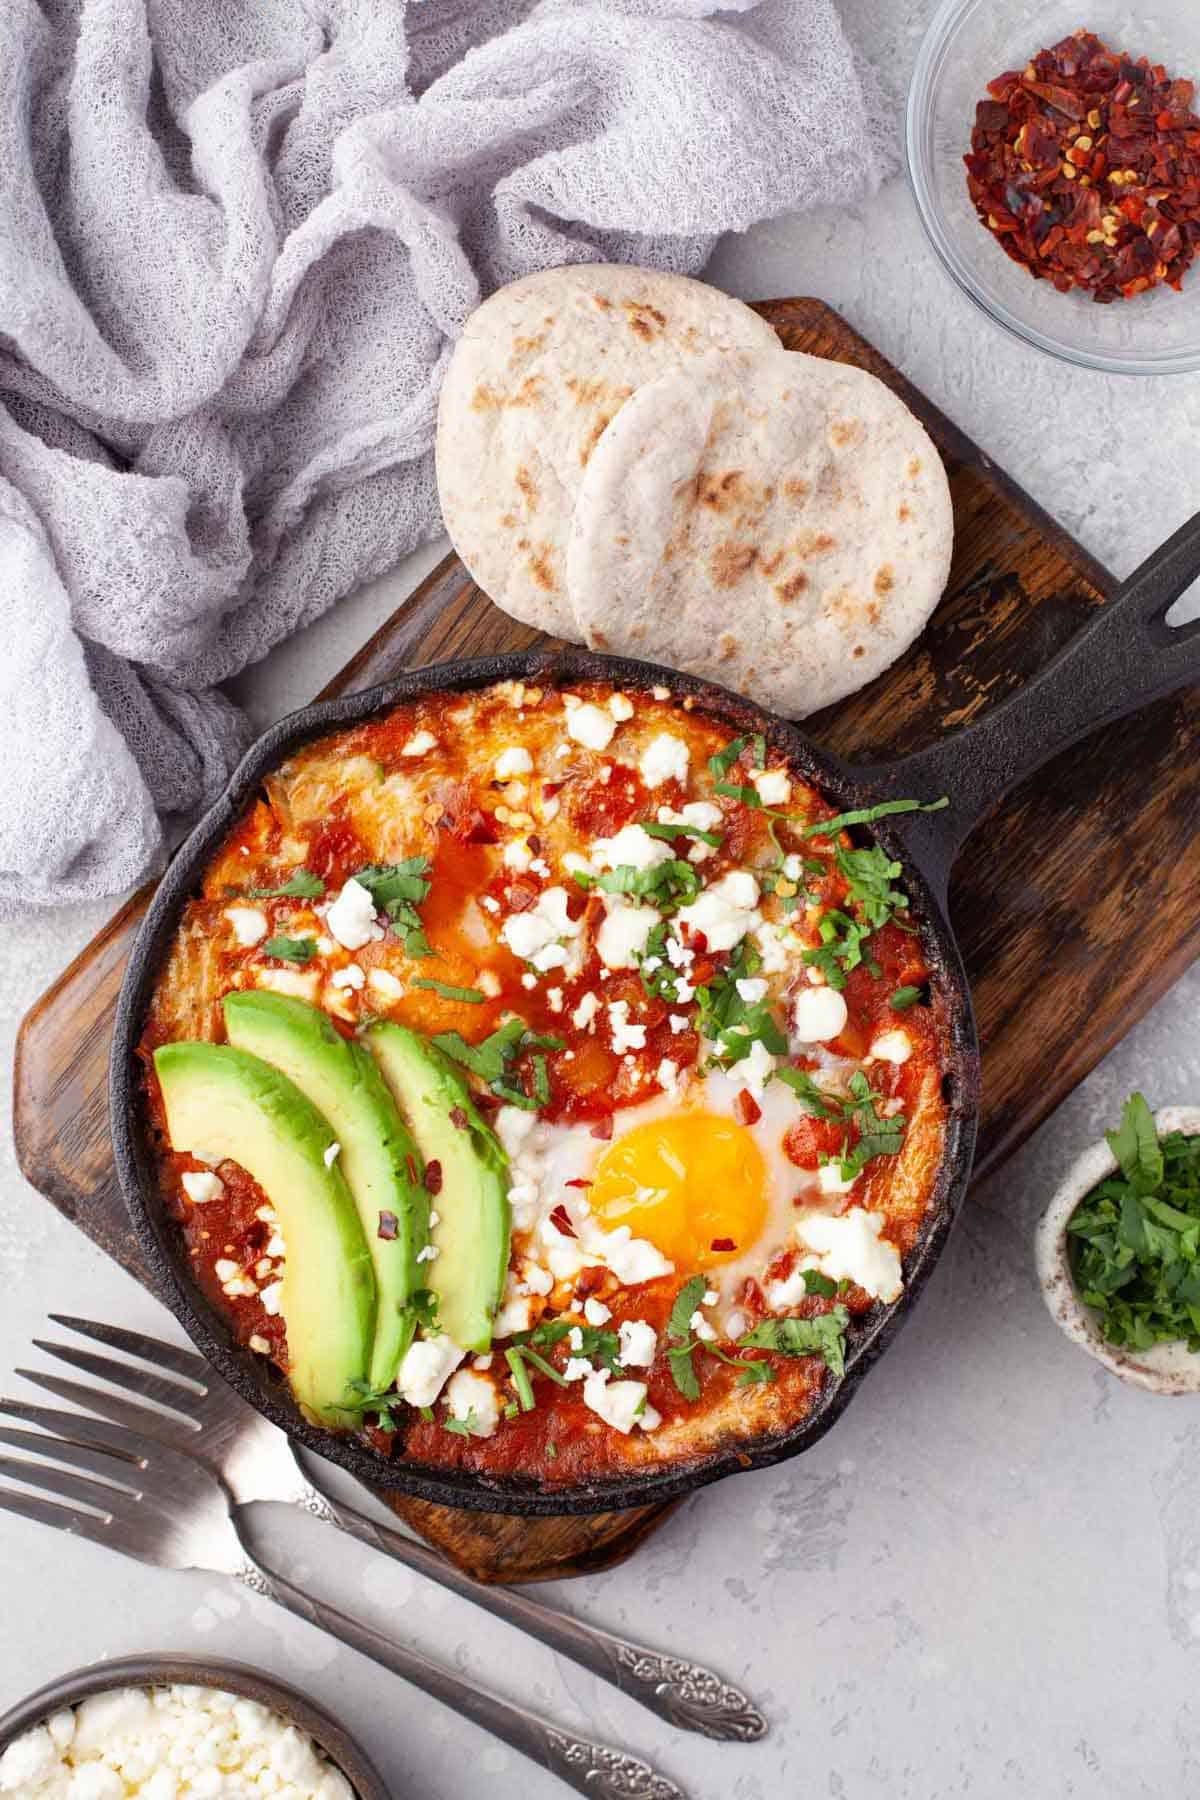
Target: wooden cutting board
x,y
1077,904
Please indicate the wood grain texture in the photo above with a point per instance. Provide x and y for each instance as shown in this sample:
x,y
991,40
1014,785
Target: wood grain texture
x,y
1077,903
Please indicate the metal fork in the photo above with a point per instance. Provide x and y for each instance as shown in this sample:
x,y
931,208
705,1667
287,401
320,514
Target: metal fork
x,y
255,1461
147,1501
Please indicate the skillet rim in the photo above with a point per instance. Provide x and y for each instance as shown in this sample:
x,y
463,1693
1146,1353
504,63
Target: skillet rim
x,y
160,1242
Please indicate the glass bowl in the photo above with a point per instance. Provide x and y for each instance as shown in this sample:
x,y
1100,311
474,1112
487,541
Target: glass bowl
x,y
968,44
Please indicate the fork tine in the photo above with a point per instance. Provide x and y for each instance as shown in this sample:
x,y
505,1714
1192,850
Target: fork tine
x,y
164,1390
134,1343
97,1494
78,1428
62,1518
95,1462
139,1419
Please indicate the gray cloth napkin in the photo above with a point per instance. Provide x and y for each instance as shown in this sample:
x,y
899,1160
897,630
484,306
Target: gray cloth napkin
x,y
237,243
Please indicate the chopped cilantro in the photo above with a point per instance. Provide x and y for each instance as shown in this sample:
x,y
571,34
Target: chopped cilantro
x,y
877,1135
362,1398
679,1337
472,996
823,1336
667,885
662,981
867,815
491,1060
1134,1241
397,889
732,1025
290,949
462,1427
903,998
302,886
603,1346
812,1098
521,1382
712,838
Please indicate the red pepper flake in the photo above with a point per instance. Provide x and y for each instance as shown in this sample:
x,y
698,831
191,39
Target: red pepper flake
x,y
458,1118
433,1177
1086,166
603,1129
410,1163
577,1183
746,1109
722,1244
560,1218
389,1226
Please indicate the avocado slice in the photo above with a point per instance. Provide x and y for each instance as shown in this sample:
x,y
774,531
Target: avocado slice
x,y
472,1232
238,1106
378,1157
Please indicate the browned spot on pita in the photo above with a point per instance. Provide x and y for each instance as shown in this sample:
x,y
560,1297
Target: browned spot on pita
x,y
485,398
843,432
872,613
670,550
731,563
885,579
602,303
641,327
599,638
585,392
508,520
526,486
914,467
527,393
541,570
814,543
858,650
599,426
726,646
793,587
526,346
769,564
903,511
795,489
719,491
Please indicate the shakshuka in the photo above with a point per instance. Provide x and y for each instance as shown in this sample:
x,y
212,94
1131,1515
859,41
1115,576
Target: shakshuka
x,y
547,1081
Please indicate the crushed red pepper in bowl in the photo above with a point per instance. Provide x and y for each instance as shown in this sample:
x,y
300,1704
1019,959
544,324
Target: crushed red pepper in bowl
x,y
1085,165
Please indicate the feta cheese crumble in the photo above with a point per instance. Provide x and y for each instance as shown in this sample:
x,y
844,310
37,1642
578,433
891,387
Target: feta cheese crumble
x,y
724,912
169,1743
624,931
892,1046
473,1399
536,936
202,1188
665,758
774,788
516,760
589,726
249,925
851,1248
639,1341
818,1014
351,918
425,1368
419,743
621,1404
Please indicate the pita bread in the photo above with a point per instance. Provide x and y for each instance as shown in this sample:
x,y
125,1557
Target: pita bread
x,y
777,523
538,373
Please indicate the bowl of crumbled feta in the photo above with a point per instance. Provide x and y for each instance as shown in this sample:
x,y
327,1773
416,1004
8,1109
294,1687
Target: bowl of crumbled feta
x,y
164,1728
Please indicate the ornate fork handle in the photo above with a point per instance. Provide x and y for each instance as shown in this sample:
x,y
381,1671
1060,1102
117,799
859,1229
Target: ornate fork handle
x,y
686,1694
594,1769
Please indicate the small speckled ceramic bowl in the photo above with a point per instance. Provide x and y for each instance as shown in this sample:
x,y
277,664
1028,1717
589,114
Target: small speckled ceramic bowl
x,y
234,1678
1167,1368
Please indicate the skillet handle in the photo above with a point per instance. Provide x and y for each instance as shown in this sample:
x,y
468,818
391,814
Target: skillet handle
x,y
1122,659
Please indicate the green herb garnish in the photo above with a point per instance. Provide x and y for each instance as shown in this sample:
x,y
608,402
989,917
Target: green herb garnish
x,y
471,996
867,815
290,949
679,1337
733,1025
397,889
812,1098
462,1427
302,886
667,885
1135,1239
492,1059
521,1382
903,998
662,981
362,1398
823,1336
713,839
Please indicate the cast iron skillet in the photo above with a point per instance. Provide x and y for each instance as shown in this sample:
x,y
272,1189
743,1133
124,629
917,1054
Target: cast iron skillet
x,y
1125,657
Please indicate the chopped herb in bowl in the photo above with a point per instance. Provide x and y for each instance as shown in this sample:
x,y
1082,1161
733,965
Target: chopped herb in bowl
x,y
1134,1240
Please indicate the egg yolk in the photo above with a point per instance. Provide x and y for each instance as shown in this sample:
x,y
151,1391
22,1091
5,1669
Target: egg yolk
x,y
695,1185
